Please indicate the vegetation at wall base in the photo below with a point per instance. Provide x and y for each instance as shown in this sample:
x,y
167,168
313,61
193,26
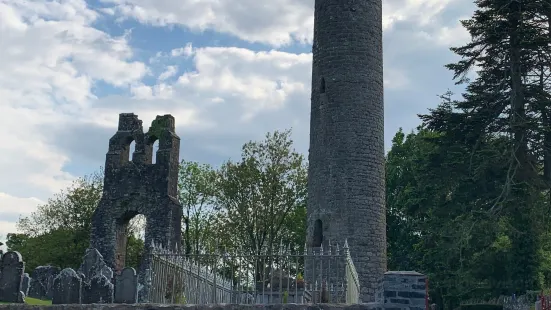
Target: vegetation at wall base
x,y
481,307
32,301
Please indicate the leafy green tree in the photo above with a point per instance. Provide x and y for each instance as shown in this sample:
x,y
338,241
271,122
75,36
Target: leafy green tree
x,y
261,199
71,209
196,189
134,251
440,222
58,232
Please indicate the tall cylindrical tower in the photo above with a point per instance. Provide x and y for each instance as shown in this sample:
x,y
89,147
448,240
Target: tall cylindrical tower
x,y
346,179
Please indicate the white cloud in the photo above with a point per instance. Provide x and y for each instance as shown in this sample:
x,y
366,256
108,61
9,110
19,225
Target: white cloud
x,y
272,22
20,207
168,73
276,23
52,57
452,36
227,86
50,60
183,51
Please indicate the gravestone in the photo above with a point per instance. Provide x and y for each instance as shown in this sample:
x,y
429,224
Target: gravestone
x,y
92,271
99,290
25,284
12,268
93,265
126,287
42,282
67,288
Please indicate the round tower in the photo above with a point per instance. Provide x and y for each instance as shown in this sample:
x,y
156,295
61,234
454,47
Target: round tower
x,y
346,179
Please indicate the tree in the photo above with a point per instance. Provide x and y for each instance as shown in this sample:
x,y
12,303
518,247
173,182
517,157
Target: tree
x,y
58,232
261,200
196,189
438,219
504,113
70,209
260,194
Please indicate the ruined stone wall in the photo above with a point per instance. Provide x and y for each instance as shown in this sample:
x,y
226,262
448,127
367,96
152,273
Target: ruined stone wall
x,y
139,186
346,186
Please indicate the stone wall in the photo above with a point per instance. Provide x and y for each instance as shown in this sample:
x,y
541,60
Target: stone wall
x,y
402,290
192,307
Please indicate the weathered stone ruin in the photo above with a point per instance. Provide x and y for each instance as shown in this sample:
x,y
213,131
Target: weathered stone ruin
x,y
139,186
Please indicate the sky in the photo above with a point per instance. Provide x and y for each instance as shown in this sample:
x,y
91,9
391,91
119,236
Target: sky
x,y
228,71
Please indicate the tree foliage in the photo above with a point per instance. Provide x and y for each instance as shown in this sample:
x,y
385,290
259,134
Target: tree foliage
x,y
261,199
196,190
270,182
58,232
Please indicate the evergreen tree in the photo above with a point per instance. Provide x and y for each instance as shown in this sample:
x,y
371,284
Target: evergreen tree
x,y
502,110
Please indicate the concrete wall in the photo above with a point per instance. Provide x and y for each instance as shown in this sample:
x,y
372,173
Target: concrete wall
x,y
191,307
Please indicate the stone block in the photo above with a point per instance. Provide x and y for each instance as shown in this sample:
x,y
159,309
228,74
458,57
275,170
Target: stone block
x,y
402,290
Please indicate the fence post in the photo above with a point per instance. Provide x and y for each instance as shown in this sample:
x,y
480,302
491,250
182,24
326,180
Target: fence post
x,y
214,278
427,293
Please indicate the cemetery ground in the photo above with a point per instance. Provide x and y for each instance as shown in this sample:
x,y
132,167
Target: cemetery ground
x,y
32,301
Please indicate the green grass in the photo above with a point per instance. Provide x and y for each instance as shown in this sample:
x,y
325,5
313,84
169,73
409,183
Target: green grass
x,y
33,301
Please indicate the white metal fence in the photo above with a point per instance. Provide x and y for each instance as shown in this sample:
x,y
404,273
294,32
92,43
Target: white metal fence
x,y
263,278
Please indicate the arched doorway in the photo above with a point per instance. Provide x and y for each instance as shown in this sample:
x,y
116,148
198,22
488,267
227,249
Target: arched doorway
x,y
130,241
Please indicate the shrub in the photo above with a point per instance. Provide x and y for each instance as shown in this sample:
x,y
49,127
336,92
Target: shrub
x,y
481,307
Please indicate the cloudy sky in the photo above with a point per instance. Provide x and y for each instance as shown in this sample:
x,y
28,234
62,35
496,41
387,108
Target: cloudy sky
x,y
229,71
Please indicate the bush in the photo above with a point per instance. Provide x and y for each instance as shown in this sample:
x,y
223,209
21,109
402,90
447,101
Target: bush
x,y
481,307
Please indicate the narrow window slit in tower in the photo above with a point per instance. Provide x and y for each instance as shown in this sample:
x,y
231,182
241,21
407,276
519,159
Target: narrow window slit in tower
x,y
318,234
322,86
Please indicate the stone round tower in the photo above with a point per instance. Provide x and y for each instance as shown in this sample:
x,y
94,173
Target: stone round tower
x,y
346,179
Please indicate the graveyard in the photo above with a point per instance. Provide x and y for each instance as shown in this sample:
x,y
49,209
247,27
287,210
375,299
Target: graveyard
x,y
324,273
455,216
337,266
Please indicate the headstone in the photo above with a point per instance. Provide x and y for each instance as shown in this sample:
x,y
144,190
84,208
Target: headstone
x,y
126,287
25,284
92,271
93,265
42,282
67,288
12,268
98,291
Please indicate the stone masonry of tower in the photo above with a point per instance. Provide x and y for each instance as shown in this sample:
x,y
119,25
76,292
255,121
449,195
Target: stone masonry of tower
x,y
346,179
139,186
